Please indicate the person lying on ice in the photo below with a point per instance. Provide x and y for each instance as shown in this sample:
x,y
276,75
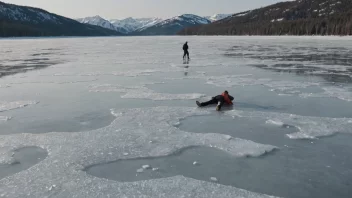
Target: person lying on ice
x,y
222,99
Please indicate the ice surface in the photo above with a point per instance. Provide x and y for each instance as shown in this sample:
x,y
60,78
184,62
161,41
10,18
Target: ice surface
x,y
127,73
228,81
54,81
6,155
15,160
285,65
231,81
142,92
275,85
334,92
4,86
70,153
176,164
309,127
6,106
283,88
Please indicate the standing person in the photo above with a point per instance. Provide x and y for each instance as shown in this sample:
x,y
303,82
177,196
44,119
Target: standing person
x,y
185,50
222,99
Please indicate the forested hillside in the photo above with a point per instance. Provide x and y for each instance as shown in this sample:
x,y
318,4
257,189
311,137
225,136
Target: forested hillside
x,y
301,17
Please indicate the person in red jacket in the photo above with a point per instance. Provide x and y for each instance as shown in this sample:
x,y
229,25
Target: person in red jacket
x,y
222,99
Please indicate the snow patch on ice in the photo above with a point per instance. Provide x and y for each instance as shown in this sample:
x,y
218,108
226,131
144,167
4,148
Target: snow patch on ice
x,y
4,86
146,167
275,122
214,179
6,155
155,169
7,106
5,118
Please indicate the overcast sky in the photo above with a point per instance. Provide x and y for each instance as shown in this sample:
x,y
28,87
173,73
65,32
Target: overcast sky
x,y
119,9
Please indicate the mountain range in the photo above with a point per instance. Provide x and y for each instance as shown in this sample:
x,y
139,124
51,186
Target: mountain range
x,y
173,25
28,21
130,24
152,26
300,17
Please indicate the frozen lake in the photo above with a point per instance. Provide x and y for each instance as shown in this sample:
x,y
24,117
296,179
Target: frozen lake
x,y
116,117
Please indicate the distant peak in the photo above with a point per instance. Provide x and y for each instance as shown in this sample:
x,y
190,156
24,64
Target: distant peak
x,y
189,15
97,16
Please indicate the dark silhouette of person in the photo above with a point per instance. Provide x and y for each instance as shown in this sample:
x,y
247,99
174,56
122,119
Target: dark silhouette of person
x,y
222,99
185,50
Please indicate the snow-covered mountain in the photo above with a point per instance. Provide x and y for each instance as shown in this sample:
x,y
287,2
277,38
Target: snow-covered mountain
x,y
124,26
173,25
133,24
97,20
29,21
151,26
26,14
217,17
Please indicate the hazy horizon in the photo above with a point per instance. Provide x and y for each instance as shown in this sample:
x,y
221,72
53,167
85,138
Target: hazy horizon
x,y
120,9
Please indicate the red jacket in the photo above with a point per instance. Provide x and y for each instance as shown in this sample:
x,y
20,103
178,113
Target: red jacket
x,y
227,99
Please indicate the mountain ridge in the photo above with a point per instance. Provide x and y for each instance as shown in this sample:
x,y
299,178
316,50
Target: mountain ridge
x,y
300,17
132,24
20,21
173,25
140,26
